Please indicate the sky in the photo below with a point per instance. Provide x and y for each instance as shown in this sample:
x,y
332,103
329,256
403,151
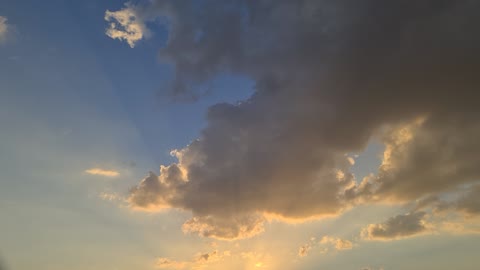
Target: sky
x,y
238,134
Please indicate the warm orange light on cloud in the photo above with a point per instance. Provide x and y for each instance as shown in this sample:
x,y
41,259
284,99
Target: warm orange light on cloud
x,y
102,172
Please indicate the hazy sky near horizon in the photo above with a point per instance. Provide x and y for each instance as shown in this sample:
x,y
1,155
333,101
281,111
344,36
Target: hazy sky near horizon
x,y
163,134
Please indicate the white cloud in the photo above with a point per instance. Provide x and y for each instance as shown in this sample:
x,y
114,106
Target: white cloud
x,y
126,25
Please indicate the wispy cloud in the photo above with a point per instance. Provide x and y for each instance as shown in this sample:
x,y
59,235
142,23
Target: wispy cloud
x,y
4,29
102,172
326,243
107,196
200,261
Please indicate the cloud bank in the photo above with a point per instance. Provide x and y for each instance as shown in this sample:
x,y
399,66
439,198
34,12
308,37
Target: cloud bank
x,y
330,77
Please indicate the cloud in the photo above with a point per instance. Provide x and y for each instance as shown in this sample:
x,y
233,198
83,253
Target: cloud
x,y
326,243
338,243
228,229
460,227
397,227
108,196
463,202
200,261
170,264
469,203
428,157
4,29
102,172
126,25
304,249
330,77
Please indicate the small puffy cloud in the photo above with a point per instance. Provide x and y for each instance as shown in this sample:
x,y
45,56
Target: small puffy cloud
x,y
397,227
126,25
102,172
326,243
211,257
4,29
337,243
304,249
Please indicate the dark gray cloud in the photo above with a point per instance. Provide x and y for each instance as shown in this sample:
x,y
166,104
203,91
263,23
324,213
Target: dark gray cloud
x,y
330,76
465,201
423,159
470,202
396,227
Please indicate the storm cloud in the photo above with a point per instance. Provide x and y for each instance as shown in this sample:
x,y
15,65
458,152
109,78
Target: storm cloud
x,y
330,77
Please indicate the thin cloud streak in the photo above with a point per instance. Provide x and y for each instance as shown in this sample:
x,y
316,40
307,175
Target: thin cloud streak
x,y
102,172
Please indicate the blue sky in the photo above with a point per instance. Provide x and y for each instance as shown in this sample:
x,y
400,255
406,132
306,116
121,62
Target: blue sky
x,y
73,99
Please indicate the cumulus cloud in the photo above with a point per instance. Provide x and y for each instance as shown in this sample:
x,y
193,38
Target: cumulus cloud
x,y
330,76
4,29
126,25
400,226
428,157
102,172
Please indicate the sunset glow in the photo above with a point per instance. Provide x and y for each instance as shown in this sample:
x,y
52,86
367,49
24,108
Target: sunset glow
x,y
239,135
